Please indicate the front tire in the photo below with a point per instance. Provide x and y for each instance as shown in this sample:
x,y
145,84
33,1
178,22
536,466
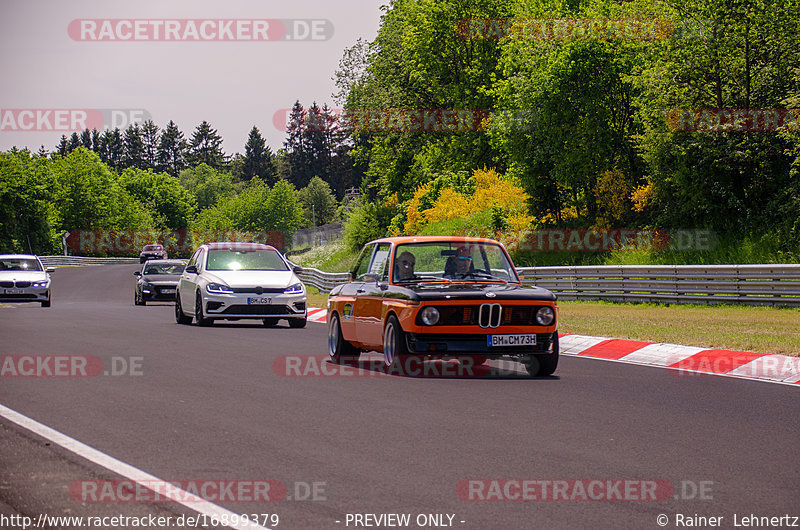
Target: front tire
x,y
394,343
46,303
544,364
180,318
339,349
269,322
199,317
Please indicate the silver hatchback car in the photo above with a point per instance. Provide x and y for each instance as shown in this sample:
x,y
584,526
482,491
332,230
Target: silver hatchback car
x,y
236,281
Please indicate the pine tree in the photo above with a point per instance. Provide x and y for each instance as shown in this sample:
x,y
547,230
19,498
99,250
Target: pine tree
x,y
258,158
63,146
74,142
205,147
86,139
150,144
134,147
95,141
295,147
316,140
172,150
42,153
116,149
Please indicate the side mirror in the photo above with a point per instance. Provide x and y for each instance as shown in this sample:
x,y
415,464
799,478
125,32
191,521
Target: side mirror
x,y
191,269
370,277
137,273
50,269
297,269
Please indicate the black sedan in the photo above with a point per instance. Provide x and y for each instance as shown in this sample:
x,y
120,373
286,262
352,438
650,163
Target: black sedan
x,y
158,280
152,252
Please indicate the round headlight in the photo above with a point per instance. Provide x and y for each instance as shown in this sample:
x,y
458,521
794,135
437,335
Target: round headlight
x,y
429,316
545,316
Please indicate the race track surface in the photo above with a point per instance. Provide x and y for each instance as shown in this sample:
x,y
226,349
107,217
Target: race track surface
x,y
205,404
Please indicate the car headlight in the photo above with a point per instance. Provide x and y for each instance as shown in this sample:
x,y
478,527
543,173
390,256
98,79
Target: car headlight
x,y
294,289
545,316
40,284
218,288
429,316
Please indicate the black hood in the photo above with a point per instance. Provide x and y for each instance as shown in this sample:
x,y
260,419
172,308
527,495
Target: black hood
x,y
469,290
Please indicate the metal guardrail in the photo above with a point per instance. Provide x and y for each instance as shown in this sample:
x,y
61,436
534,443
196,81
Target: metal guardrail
x,y
700,284
324,281
71,261
777,285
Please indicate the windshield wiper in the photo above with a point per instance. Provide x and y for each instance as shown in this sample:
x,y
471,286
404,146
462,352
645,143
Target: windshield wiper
x,y
481,274
426,278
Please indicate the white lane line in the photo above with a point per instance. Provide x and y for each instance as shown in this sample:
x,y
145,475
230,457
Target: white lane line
x,y
91,454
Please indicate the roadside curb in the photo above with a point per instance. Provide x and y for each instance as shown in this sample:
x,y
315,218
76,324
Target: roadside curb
x,y
682,359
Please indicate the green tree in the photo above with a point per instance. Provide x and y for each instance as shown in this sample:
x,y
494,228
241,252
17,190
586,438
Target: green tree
x,y
89,196
27,214
207,184
170,204
205,147
258,158
150,142
319,203
134,147
172,150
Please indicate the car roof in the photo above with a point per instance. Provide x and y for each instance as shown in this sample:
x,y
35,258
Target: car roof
x,y
167,261
428,239
238,245
18,256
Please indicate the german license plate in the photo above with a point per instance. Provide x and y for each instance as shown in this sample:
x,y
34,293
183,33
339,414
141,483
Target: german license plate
x,y
521,339
168,291
259,300
13,291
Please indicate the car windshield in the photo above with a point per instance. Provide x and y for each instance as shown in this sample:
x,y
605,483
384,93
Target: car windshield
x,y
19,264
452,261
245,260
152,247
164,268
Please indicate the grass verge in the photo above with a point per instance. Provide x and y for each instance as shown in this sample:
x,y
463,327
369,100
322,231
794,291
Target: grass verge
x,y
729,327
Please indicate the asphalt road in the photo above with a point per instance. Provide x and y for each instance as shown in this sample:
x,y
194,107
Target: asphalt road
x,y
212,403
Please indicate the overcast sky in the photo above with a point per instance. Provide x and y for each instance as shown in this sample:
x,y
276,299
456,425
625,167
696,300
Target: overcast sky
x,y
233,84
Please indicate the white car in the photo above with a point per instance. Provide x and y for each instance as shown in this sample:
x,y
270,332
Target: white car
x,y
24,279
240,280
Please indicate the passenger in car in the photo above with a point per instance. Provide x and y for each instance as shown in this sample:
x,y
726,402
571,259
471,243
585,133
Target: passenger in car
x,y
404,266
459,264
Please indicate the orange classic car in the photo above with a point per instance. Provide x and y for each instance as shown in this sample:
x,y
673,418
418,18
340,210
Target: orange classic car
x,y
442,297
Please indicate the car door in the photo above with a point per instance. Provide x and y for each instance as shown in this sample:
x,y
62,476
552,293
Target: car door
x,y
187,285
369,298
350,291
